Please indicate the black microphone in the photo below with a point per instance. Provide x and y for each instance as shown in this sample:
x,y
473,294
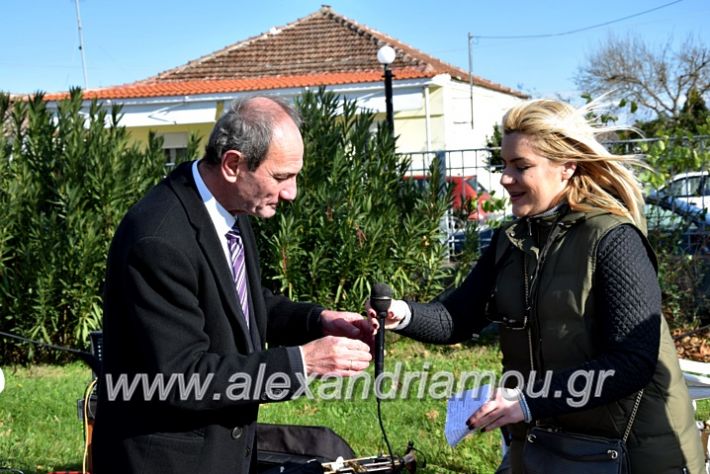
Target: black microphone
x,y
380,300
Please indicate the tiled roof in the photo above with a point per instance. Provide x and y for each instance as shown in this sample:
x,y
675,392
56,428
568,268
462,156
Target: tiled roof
x,y
199,86
324,48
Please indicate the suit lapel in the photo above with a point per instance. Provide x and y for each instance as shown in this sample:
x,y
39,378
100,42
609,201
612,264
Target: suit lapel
x,y
183,185
256,299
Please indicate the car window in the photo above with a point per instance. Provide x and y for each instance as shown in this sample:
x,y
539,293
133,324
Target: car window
x,y
684,187
421,184
674,189
693,186
662,219
706,187
473,182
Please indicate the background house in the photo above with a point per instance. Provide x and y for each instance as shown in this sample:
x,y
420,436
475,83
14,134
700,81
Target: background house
x,y
432,99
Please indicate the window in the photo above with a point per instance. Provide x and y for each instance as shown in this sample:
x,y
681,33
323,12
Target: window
x,y
706,187
685,187
174,148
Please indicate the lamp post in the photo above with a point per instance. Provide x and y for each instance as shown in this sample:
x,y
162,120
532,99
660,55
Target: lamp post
x,y
385,56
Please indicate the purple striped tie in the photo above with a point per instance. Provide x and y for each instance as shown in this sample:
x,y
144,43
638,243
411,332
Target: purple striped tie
x,y
239,269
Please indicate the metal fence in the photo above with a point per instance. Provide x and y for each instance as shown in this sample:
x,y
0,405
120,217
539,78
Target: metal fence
x,y
701,143
688,184
466,170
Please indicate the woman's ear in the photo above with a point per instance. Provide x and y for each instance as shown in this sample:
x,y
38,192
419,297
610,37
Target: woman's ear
x,y
568,169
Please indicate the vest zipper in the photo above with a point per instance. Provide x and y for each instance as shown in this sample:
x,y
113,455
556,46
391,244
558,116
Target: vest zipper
x,y
534,291
528,309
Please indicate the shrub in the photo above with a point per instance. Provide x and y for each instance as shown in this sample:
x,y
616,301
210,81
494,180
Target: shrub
x,y
356,220
66,180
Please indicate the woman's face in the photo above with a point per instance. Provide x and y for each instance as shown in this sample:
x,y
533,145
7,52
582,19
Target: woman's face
x,y
533,182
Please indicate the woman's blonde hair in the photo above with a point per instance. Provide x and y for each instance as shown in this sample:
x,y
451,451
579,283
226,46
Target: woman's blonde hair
x,y
563,134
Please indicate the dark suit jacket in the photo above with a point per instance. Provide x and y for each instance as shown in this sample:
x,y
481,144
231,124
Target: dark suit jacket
x,y
171,310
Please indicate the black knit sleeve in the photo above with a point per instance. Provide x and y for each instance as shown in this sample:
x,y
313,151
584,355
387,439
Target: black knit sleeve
x,y
456,315
628,302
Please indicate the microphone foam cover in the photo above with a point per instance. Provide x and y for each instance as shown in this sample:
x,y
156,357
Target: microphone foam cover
x,y
381,290
381,297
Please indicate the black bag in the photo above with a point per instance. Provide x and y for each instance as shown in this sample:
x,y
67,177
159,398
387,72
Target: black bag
x,y
310,467
278,445
553,451
549,451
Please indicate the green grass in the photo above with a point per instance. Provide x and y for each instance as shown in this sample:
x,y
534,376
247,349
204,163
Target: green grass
x,y
40,432
421,421
39,428
703,410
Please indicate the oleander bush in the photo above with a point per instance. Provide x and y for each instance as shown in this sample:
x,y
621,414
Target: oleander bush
x,y
68,176
356,220
66,179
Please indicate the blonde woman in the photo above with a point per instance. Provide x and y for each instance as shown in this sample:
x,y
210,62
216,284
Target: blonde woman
x,y
572,284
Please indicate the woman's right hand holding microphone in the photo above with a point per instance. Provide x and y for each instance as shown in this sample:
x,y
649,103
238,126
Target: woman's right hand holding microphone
x,y
398,313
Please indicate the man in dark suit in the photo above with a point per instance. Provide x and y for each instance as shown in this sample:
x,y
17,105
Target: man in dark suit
x,y
185,314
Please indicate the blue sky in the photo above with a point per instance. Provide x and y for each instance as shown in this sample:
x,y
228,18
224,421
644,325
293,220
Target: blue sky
x,y
129,40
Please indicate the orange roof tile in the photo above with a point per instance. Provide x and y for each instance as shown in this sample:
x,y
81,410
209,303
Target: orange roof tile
x,y
323,48
196,86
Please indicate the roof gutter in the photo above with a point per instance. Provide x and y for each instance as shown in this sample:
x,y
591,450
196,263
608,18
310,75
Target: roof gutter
x,y
360,88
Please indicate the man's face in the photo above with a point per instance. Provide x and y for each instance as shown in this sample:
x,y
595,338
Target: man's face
x,y
259,192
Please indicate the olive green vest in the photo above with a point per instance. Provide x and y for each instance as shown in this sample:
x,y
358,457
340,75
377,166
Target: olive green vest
x,y
561,332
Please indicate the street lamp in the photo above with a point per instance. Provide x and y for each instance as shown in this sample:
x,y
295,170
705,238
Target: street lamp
x,y
385,56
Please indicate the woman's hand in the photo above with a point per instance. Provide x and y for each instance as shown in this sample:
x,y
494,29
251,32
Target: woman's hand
x,y
397,312
503,409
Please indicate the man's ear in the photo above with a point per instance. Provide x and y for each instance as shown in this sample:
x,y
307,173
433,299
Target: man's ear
x,y
232,162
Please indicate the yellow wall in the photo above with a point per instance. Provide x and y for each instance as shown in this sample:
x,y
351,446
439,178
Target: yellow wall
x,y
410,125
445,131
140,134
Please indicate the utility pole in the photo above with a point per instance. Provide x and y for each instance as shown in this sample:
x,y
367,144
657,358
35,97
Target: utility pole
x,y
470,74
81,44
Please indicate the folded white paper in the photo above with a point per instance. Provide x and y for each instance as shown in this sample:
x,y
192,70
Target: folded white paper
x,y
459,408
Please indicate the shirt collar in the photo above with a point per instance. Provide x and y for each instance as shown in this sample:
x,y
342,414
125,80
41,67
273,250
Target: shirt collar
x,y
223,221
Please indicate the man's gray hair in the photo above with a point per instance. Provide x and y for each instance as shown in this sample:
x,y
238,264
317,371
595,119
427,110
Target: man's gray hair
x,y
247,127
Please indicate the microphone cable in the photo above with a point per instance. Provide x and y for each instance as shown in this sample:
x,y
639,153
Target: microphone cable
x,y
382,425
83,355
380,301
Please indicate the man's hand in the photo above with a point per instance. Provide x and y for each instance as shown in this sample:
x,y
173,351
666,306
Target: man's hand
x,y
347,324
336,356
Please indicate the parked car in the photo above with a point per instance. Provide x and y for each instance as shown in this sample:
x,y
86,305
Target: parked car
x,y
671,217
464,189
670,220
692,187
685,229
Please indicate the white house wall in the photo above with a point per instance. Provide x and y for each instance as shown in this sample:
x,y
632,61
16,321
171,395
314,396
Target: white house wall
x,y
488,109
171,114
449,118
430,114
162,111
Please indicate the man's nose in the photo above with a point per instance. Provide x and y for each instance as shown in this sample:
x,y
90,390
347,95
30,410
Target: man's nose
x,y
290,190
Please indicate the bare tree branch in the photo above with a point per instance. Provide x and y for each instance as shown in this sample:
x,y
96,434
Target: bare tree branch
x,y
658,80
